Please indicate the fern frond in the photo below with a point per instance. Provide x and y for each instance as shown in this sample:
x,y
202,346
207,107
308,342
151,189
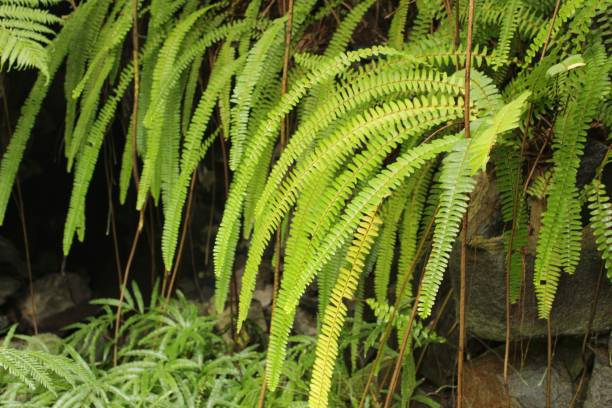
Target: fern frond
x,y
229,229
14,152
245,87
335,313
391,213
601,222
560,235
394,122
366,200
508,172
398,25
89,156
540,185
457,183
411,222
509,22
25,31
154,117
566,11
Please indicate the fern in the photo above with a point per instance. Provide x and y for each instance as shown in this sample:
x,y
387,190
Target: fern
x,y
335,313
560,235
508,171
227,236
601,222
391,216
14,152
25,33
411,221
398,24
467,158
370,197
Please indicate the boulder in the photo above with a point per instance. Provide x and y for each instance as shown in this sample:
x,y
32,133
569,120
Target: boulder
x,y
485,312
599,392
8,287
484,382
53,294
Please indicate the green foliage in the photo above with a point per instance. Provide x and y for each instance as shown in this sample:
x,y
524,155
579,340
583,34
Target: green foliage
x,y
561,232
26,29
601,222
369,131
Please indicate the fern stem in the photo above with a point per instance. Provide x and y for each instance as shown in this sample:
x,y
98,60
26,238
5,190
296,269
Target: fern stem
x,y
549,356
462,267
125,281
111,213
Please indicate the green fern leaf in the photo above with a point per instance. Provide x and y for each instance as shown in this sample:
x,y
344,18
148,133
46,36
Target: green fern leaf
x,y
335,313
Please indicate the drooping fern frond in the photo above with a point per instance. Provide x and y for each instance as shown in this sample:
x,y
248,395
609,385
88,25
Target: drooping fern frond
x,y
366,200
154,119
398,24
25,33
508,172
468,157
391,212
336,311
259,142
601,222
411,225
87,162
561,232
384,128
193,151
29,111
541,185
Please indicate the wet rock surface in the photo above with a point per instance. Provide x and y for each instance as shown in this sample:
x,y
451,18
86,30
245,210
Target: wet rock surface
x,y
54,294
599,392
484,382
485,313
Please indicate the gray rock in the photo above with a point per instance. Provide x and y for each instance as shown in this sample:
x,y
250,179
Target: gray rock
x,y
53,294
305,323
10,260
264,295
485,313
8,287
484,383
599,392
528,386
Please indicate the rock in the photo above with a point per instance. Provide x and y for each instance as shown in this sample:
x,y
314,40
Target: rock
x,y
10,260
53,294
485,312
305,323
8,287
484,384
264,295
599,392
257,316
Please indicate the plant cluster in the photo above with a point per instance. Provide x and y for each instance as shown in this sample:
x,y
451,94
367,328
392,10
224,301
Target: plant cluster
x,y
354,162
